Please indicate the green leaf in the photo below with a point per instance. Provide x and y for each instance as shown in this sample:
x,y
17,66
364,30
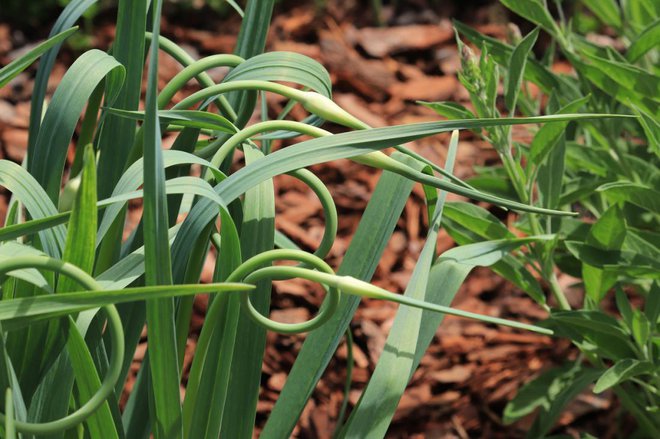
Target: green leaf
x,y
163,356
450,110
118,134
375,409
27,190
593,331
625,83
608,233
621,371
550,175
81,234
487,252
644,42
257,235
477,220
607,11
71,13
641,328
371,237
99,424
620,261
549,135
11,70
517,69
16,313
184,118
634,193
651,128
536,12
550,392
46,159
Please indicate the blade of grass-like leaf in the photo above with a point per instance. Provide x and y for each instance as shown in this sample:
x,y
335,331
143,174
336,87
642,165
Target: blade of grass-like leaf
x,y
81,233
27,190
31,275
371,237
257,235
357,143
164,364
46,158
79,251
15,313
208,381
517,69
11,70
100,424
645,41
117,136
251,41
9,381
71,13
373,412
185,118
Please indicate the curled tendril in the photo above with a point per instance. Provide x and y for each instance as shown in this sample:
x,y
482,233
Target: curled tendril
x,y
252,271
329,209
116,336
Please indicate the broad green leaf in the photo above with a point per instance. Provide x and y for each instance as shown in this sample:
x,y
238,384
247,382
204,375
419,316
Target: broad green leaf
x,y
644,42
11,70
651,128
628,84
477,220
620,261
550,175
635,193
608,233
593,331
536,12
517,69
620,372
641,328
550,392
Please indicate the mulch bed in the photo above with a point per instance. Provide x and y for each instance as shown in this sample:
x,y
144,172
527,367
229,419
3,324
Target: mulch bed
x,y
472,369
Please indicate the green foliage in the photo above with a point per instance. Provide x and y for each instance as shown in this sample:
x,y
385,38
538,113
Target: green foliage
x,y
609,169
76,295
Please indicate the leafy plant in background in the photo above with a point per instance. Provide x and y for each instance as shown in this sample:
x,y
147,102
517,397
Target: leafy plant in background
x,y
76,296
607,169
